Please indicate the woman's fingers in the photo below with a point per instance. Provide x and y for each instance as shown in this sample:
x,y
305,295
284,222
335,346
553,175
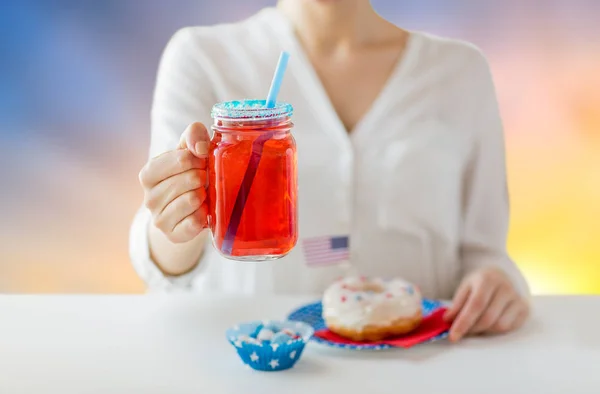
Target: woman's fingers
x,y
461,297
500,301
511,317
161,195
521,317
191,226
478,300
486,302
167,165
175,186
196,139
178,209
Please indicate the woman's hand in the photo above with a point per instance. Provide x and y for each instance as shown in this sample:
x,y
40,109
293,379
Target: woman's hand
x,y
175,186
486,302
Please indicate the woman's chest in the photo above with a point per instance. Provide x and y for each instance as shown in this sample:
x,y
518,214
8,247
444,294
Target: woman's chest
x,y
405,167
413,175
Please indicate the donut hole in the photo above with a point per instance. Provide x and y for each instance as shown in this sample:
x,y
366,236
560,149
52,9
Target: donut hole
x,y
373,288
365,287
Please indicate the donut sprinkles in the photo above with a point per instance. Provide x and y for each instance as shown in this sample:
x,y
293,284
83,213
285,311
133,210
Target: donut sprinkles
x,y
365,309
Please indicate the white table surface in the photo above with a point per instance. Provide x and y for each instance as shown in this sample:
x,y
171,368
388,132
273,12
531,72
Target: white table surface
x,y
176,344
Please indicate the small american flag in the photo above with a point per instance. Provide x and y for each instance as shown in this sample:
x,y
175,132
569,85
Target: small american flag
x,y
325,250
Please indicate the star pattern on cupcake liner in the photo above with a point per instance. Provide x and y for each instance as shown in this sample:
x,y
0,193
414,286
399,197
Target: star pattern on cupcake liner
x,y
269,345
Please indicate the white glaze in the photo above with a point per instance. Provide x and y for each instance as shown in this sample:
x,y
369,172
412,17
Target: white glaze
x,y
356,302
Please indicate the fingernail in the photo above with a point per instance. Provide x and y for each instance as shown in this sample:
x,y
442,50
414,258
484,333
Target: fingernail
x,y
201,148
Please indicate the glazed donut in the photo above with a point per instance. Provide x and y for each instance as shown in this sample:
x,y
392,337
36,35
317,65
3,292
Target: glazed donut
x,y
365,309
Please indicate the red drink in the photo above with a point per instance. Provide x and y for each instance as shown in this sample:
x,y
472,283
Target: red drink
x,y
253,181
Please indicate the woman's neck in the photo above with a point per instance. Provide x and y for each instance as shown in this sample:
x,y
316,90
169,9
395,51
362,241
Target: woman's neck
x,y
330,25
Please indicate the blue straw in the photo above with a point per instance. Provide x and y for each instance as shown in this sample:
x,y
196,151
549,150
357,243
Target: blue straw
x,y
277,78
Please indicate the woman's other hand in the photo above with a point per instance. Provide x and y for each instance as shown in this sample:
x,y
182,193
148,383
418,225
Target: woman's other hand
x,y
486,302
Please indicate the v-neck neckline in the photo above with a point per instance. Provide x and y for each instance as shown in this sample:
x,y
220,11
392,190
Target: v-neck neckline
x,y
316,94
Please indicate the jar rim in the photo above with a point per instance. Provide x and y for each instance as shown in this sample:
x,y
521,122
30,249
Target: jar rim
x,y
250,110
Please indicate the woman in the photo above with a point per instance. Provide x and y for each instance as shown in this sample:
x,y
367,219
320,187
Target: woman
x,y
400,147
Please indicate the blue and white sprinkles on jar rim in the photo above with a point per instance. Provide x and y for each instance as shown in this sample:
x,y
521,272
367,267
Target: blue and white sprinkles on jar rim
x,y
250,110
275,353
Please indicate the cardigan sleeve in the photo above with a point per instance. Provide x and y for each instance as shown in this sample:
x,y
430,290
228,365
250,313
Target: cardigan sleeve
x,y
485,198
182,96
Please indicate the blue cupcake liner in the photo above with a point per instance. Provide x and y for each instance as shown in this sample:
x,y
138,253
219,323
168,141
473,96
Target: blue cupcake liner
x,y
267,356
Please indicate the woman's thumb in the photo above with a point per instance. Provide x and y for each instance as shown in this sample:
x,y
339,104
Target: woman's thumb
x,y
195,138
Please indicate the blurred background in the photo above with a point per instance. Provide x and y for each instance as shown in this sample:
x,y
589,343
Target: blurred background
x,y
76,81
